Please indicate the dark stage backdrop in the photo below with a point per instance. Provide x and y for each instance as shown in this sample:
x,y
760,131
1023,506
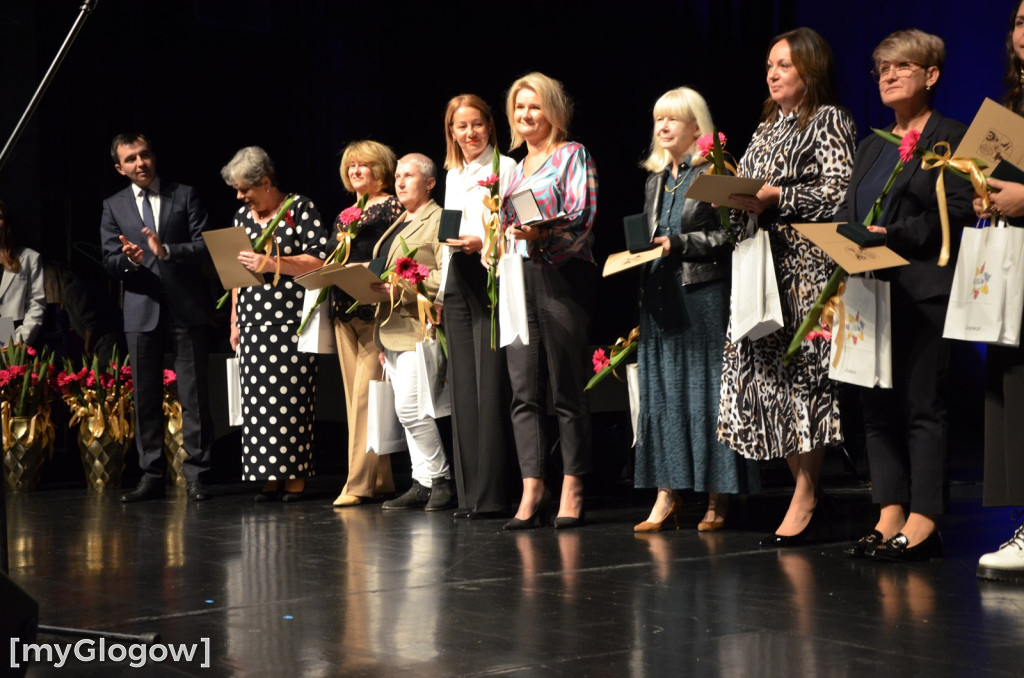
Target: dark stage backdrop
x,y
302,78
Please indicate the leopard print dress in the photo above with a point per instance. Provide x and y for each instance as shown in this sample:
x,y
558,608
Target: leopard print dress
x,y
768,410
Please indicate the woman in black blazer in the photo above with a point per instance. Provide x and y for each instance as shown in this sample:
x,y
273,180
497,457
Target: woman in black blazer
x,y
906,426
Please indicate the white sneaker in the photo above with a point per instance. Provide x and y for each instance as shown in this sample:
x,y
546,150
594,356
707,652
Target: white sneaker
x,y
1006,564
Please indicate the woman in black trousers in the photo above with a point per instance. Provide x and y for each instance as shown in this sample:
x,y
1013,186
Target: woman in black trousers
x,y
906,426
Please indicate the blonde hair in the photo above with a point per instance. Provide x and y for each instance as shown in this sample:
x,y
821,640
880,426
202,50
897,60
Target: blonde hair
x,y
379,158
557,107
454,157
914,45
685,104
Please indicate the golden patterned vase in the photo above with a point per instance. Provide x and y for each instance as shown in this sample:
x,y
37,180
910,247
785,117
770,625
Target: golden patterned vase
x,y
29,444
102,457
174,447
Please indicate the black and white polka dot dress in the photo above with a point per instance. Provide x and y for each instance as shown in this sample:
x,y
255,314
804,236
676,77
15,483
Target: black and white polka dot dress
x,y
278,381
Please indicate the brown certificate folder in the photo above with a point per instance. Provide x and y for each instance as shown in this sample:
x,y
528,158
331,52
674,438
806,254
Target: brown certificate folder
x,y
996,134
717,188
848,254
620,261
355,279
224,245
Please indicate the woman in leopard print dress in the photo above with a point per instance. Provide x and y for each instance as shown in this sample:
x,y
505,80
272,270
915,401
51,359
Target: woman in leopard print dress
x,y
804,150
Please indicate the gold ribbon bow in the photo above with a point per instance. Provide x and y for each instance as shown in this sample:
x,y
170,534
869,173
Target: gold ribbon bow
x,y
832,316
941,159
621,345
271,245
344,246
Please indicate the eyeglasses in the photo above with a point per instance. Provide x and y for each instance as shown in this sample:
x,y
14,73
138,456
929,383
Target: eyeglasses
x,y
902,69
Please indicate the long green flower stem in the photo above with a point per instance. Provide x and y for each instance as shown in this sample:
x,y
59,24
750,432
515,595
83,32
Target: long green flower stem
x,y
719,161
261,241
832,286
338,255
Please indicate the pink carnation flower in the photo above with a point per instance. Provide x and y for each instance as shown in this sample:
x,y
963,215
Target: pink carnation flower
x,y
705,144
819,334
350,215
909,144
169,377
488,182
600,359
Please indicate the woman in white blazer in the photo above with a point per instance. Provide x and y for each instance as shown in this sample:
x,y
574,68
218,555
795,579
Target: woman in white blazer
x,y
22,296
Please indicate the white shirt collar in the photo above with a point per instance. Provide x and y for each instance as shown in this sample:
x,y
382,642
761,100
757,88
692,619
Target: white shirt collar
x,y
154,188
485,159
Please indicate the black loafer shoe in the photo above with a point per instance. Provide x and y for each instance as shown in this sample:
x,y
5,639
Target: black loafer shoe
x,y
865,546
462,513
148,488
197,491
898,549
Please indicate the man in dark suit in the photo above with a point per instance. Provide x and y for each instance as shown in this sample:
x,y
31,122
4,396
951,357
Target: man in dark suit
x,y
152,242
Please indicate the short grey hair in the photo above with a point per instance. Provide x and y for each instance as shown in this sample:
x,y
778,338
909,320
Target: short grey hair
x,y
248,167
426,165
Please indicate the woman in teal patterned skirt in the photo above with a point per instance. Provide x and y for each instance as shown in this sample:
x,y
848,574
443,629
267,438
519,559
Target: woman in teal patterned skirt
x,y
684,310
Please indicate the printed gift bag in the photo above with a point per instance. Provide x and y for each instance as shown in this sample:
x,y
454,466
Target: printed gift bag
x,y
862,334
755,304
987,297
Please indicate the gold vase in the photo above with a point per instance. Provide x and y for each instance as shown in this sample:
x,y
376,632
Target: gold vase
x,y
174,446
103,456
28,442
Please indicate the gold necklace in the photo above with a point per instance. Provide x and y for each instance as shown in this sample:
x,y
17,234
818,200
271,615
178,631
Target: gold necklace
x,y
678,183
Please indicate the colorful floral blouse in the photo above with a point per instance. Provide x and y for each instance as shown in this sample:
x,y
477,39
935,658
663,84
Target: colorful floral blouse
x,y
566,183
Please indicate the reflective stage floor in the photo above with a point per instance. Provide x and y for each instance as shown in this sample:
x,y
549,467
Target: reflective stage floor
x,y
305,590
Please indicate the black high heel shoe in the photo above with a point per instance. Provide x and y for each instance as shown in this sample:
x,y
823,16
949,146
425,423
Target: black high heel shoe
x,y
569,522
812,531
538,519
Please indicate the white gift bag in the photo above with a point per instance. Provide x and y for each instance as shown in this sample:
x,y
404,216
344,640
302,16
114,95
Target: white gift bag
x,y
384,432
861,351
987,296
756,308
234,392
512,322
433,396
318,336
633,389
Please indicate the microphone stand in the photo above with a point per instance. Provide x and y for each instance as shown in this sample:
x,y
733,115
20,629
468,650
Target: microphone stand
x,y
84,11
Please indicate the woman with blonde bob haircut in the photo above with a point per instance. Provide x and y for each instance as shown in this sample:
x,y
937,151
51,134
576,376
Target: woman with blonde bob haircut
x,y
684,311
477,373
380,159
559,277
367,169
683,104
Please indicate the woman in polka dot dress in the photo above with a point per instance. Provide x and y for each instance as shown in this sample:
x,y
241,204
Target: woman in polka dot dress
x,y
278,381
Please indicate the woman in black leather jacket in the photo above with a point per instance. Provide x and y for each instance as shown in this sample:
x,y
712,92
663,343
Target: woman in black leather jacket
x,y
684,310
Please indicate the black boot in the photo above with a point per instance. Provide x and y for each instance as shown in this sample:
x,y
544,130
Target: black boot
x,y
441,495
416,497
